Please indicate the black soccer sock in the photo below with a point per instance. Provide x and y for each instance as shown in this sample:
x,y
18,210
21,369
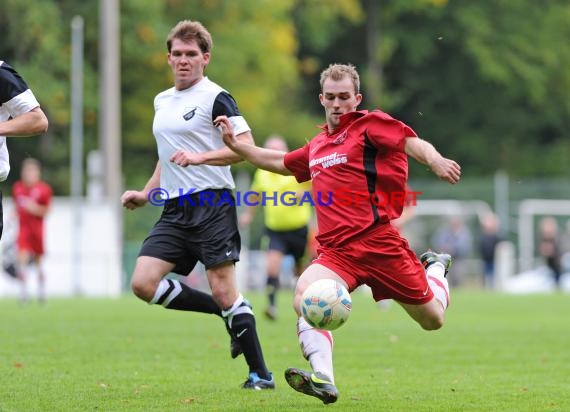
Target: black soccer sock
x,y
244,329
173,294
239,317
272,288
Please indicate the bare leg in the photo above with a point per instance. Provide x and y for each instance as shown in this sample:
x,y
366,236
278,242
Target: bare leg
x,y
41,279
23,263
274,261
430,315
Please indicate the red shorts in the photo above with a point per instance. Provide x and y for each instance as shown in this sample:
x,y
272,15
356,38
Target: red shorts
x,y
383,260
31,242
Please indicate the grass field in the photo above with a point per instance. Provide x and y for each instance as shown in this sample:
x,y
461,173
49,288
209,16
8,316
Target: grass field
x,y
496,353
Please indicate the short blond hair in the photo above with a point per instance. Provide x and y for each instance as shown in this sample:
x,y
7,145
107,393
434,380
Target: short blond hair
x,y
338,72
187,30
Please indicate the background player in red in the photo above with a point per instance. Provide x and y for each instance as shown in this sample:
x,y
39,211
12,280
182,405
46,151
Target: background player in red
x,y
32,198
366,152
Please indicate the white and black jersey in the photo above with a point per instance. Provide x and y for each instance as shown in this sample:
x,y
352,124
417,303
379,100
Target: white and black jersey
x,y
15,99
184,120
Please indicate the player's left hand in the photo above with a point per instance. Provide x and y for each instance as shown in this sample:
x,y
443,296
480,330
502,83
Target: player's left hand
x,y
447,169
186,158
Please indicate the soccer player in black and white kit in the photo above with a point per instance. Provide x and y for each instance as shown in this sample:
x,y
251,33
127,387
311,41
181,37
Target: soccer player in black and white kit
x,y
20,115
193,158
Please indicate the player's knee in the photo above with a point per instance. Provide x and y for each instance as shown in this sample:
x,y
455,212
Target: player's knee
x,y
224,293
142,289
432,322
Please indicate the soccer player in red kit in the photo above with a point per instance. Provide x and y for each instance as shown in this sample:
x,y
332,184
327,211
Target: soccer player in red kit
x,y
32,198
366,154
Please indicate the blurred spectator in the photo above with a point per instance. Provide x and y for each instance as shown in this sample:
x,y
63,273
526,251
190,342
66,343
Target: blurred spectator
x,y
32,198
549,246
487,244
565,248
455,239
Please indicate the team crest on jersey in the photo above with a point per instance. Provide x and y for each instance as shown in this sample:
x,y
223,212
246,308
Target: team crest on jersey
x,y
189,114
341,137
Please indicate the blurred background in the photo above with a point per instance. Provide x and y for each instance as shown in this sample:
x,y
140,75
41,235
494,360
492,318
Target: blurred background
x,y
487,82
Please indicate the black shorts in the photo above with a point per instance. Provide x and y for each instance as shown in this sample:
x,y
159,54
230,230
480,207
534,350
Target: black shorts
x,y
192,231
289,242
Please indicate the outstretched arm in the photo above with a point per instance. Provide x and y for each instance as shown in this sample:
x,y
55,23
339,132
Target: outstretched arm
x,y
220,157
272,160
425,153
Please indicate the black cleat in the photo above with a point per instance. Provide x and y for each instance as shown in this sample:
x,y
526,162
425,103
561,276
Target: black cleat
x,y
256,383
429,258
271,313
314,384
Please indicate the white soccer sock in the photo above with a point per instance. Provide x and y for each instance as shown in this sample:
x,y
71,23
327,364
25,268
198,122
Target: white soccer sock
x,y
316,345
234,306
238,308
169,286
438,283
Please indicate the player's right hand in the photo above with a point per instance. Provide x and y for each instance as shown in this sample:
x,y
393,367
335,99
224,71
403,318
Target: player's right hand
x,y
227,130
447,170
133,199
245,219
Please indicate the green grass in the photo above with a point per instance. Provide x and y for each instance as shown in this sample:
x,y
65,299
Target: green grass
x,y
496,353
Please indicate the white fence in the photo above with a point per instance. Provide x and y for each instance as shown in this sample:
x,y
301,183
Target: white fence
x,y
83,251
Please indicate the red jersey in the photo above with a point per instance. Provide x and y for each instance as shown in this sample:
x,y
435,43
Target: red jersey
x,y
30,233
358,173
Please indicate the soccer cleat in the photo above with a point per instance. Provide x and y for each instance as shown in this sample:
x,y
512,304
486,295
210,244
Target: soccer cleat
x,y
256,383
430,257
271,313
314,384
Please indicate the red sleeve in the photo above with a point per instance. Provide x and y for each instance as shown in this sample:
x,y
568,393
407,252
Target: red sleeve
x,y
386,132
297,162
46,195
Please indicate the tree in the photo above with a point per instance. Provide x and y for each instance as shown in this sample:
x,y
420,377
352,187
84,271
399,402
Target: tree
x,y
480,80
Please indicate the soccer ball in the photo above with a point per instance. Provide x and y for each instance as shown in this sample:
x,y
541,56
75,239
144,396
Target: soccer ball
x,y
326,304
